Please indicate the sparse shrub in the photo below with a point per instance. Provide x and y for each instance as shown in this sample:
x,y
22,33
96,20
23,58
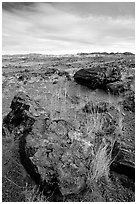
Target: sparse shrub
x,y
103,143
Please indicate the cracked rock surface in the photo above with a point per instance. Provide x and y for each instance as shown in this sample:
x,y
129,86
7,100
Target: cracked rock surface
x,y
56,154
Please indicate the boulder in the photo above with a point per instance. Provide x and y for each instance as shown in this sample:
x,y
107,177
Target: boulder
x,y
92,78
97,77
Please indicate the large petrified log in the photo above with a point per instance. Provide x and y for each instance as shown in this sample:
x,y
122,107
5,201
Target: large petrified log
x,y
97,77
55,154
50,151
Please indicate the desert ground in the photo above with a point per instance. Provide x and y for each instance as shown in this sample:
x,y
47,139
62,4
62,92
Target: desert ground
x,y
93,160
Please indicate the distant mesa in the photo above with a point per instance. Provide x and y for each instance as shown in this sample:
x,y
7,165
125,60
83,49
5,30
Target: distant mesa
x,y
128,53
104,53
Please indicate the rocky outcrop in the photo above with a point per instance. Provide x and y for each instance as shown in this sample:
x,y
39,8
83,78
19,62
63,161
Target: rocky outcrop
x,y
57,156
97,77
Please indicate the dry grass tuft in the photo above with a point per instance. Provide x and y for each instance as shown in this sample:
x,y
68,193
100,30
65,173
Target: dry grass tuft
x,y
32,194
101,163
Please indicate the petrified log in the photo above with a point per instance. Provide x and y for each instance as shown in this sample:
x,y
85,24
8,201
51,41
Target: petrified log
x,y
97,77
54,153
92,78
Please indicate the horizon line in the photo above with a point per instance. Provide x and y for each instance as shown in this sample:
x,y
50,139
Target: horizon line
x,y
78,53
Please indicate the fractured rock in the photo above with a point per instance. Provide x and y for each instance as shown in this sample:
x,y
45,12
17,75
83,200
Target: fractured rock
x,y
52,152
97,77
92,78
55,154
60,153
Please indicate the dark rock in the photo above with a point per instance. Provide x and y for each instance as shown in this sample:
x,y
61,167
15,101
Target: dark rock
x,y
24,76
17,117
123,160
92,78
20,103
124,163
97,77
21,78
55,82
23,113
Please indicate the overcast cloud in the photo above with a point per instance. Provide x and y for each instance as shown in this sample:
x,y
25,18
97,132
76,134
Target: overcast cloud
x,y
59,28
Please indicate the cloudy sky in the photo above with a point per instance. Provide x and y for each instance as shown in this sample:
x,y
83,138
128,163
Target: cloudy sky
x,y
60,28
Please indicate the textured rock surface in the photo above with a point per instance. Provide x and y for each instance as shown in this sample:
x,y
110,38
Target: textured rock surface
x,y
54,153
90,77
59,152
97,77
